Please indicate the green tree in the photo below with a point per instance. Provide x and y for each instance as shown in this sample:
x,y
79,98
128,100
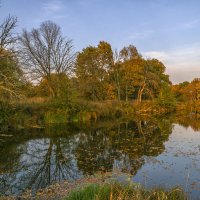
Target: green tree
x,y
131,62
179,90
92,71
166,98
62,85
151,78
12,80
125,72
11,76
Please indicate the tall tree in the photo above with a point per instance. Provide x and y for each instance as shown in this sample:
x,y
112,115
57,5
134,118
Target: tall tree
x,y
131,64
92,67
11,76
152,77
115,74
125,70
44,51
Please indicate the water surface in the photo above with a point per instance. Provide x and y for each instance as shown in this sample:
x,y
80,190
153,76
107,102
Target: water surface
x,y
156,152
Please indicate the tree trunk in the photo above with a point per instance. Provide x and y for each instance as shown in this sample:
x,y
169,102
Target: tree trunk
x,y
51,90
139,125
116,78
126,92
118,88
140,92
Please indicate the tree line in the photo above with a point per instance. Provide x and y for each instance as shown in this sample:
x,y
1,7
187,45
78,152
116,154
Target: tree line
x,y
42,62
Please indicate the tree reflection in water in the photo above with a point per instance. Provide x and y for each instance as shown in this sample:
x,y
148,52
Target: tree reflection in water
x,y
37,163
191,120
121,146
35,159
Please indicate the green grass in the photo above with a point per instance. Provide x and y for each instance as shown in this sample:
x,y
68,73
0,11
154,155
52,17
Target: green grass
x,y
120,192
56,116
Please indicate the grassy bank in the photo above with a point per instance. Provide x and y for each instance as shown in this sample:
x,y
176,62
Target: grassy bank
x,y
39,113
101,187
116,191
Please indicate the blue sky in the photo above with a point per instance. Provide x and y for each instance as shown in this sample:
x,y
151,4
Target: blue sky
x,y
165,29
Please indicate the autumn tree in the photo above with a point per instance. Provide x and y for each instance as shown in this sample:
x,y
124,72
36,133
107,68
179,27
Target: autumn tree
x,y
44,51
92,71
115,74
179,91
192,90
152,77
131,62
125,70
124,75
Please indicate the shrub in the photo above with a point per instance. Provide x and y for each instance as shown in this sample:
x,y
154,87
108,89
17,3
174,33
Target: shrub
x,y
5,112
56,116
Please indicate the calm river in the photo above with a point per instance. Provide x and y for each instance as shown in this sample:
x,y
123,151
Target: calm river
x,y
157,152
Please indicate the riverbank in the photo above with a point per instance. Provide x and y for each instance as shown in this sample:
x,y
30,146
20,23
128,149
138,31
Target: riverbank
x,y
37,114
55,191
100,187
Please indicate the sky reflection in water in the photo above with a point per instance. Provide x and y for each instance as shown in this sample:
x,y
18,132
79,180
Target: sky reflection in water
x,y
155,152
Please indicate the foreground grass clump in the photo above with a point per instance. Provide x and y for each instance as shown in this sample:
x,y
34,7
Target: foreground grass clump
x,y
120,192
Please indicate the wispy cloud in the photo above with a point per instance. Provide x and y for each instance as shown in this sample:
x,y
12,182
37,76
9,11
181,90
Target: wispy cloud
x,y
161,55
60,16
191,24
53,6
85,2
182,63
141,35
52,10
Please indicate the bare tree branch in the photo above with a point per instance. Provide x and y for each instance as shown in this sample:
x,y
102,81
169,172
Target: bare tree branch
x,y
10,72
7,37
44,51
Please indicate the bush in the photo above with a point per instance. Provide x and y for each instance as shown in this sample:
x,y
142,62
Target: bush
x,y
56,116
6,111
